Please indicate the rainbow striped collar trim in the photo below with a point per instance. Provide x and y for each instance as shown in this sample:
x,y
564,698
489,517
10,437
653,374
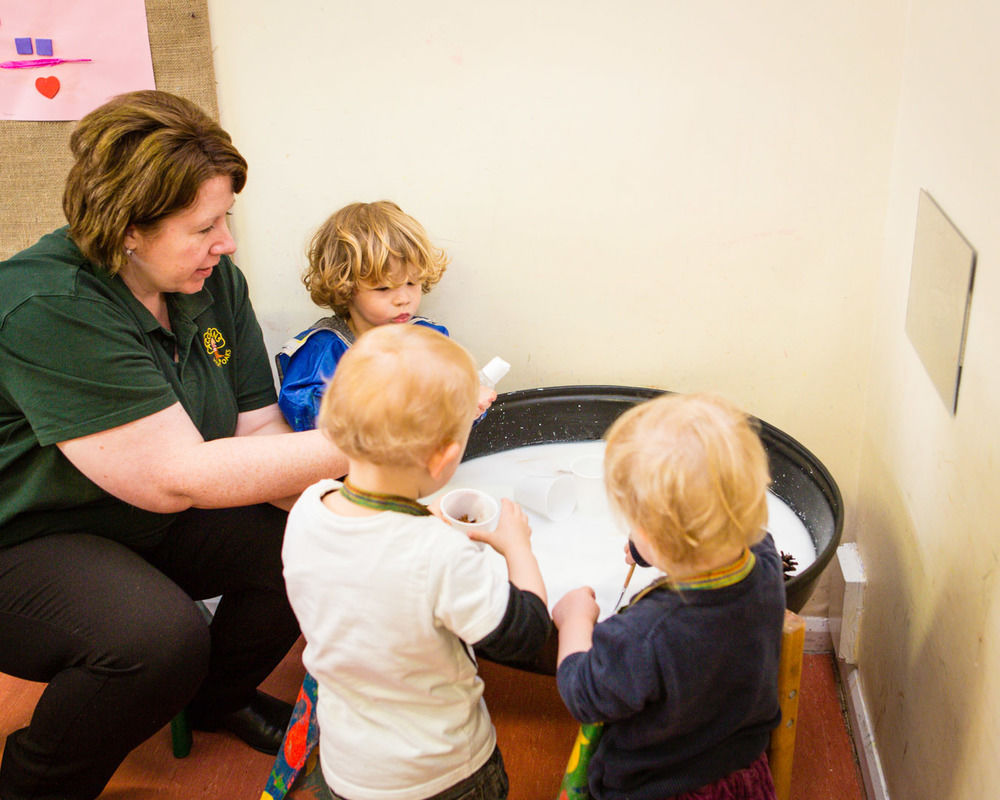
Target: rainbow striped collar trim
x,y
383,502
719,578
716,579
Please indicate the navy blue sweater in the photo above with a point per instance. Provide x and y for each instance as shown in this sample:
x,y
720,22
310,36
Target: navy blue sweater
x,y
686,682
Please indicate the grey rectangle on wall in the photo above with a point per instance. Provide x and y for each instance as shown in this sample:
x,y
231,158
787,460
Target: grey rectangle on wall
x,y
937,312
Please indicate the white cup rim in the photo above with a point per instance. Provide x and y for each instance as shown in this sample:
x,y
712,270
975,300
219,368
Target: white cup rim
x,y
478,495
526,493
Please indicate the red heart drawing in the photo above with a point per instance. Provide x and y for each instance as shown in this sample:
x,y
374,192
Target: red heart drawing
x,y
48,86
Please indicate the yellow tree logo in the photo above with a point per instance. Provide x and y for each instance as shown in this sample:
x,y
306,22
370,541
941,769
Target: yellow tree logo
x,y
214,344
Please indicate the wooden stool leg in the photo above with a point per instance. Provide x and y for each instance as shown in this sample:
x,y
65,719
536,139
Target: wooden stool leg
x,y
180,726
180,735
782,746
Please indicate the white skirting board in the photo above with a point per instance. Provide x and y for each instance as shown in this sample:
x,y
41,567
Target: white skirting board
x,y
818,639
864,733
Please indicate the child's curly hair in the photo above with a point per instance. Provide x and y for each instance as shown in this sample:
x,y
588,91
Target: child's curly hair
x,y
363,244
691,472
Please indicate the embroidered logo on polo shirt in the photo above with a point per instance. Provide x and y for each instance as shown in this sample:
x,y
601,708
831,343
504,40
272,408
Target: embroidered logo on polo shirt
x,y
214,344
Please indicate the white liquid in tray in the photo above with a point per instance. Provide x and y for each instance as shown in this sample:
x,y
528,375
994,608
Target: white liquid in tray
x,y
588,548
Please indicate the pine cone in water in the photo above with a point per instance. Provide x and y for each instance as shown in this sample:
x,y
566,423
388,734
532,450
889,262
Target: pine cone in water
x,y
788,564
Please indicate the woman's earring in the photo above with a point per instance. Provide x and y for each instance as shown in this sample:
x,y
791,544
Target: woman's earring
x,y
129,252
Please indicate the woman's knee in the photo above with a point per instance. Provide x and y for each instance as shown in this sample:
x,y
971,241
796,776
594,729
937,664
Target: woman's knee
x,y
155,661
83,601
173,638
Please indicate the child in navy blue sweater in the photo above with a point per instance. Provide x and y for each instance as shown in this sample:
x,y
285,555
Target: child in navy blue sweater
x,y
685,677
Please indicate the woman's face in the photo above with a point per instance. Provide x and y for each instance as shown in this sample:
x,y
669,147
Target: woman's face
x,y
184,249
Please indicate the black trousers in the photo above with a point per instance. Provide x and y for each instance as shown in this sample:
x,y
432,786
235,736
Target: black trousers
x,y
115,634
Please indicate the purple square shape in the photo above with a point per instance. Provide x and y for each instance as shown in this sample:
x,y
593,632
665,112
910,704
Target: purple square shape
x,y
23,46
43,47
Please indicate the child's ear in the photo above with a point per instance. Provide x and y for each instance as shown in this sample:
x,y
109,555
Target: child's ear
x,y
443,458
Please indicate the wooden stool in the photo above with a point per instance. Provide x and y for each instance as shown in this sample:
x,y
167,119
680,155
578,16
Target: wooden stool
x,y
782,746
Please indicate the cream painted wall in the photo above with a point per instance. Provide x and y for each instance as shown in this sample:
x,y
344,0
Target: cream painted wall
x,y
689,195
928,505
686,195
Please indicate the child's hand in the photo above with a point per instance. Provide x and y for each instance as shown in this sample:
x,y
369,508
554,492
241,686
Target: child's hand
x,y
435,508
512,531
575,616
577,605
485,399
512,540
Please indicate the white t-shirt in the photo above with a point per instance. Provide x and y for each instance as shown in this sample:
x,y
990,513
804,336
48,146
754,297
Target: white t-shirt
x,y
386,604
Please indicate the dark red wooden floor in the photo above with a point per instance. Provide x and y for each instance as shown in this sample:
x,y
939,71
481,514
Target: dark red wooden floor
x,y
534,729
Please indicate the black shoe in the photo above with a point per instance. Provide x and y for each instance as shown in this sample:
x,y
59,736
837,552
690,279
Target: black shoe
x,y
261,724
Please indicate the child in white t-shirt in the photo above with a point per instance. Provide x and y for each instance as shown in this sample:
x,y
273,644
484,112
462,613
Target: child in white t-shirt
x,y
391,599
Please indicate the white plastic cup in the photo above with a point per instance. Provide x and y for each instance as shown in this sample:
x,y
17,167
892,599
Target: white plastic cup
x,y
588,474
470,510
493,372
552,496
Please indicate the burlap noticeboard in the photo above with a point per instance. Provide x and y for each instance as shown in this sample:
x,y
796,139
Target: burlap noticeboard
x,y
34,156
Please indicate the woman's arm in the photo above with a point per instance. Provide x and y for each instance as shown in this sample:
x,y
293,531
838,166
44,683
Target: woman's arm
x,y
267,421
161,462
262,421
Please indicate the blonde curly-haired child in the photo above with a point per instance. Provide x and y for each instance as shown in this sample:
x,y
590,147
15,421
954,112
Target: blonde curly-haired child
x,y
685,677
369,263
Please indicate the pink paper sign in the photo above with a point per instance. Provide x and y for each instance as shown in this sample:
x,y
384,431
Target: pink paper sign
x,y
112,34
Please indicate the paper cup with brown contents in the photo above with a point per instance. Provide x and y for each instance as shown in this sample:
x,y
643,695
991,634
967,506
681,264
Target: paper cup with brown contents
x,y
470,510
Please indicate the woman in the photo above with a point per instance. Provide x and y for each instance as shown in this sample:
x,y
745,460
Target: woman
x,y
143,459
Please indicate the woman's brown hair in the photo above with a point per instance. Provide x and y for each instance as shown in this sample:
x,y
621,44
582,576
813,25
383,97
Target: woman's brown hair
x,y
139,158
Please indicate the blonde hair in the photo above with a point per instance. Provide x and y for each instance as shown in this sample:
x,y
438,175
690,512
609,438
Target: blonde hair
x,y
690,471
139,158
362,245
400,393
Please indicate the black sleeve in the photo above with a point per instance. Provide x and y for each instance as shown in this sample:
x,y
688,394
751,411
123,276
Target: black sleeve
x,y
521,634
638,559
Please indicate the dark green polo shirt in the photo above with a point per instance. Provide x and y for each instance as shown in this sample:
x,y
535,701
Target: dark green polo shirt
x,y
79,354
